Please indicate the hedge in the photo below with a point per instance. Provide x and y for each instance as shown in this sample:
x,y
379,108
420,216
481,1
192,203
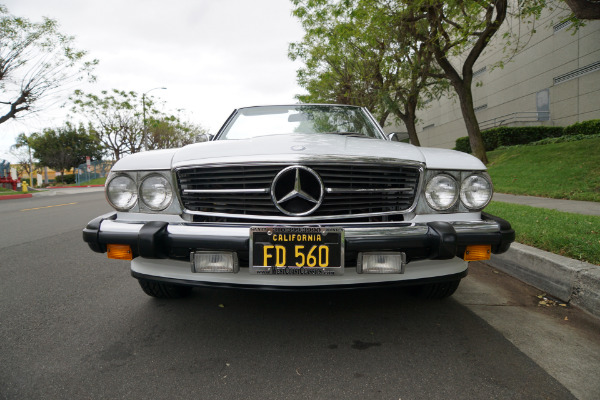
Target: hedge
x,y
511,136
66,179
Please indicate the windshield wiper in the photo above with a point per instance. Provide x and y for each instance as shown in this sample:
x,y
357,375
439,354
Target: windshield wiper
x,y
351,134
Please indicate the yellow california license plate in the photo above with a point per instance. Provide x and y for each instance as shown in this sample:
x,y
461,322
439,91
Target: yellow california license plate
x,y
296,251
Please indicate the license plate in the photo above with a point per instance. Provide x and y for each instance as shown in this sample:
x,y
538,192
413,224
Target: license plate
x,y
296,251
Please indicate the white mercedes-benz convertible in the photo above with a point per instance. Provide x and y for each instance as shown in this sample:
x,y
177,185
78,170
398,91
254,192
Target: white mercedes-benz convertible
x,y
299,197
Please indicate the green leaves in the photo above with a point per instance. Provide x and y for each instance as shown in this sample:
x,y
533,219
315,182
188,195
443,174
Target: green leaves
x,y
124,120
64,147
364,52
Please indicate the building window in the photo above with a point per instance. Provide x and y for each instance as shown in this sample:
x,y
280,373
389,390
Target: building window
x,y
560,26
481,107
543,105
577,73
479,71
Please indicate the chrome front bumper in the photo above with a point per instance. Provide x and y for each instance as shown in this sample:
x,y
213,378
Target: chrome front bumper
x,y
432,240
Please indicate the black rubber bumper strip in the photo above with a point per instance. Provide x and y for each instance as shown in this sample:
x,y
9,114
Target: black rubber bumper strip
x,y
92,230
440,242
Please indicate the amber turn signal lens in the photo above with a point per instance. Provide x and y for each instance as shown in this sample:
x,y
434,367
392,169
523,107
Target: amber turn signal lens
x,y
119,251
478,253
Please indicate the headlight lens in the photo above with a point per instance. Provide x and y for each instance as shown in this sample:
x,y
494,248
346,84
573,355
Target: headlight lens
x,y
441,192
121,193
156,192
476,192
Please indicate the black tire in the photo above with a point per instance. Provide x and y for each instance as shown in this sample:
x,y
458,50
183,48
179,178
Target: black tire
x,y
439,290
163,290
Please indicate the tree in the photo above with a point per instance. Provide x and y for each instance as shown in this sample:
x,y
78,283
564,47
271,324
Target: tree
x,y
37,62
457,32
65,147
170,132
116,118
21,150
585,9
362,52
427,41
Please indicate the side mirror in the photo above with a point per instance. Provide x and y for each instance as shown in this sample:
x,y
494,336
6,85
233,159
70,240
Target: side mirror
x,y
394,137
205,137
398,136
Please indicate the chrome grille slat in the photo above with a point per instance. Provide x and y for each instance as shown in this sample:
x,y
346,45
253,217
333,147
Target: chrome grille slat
x,y
354,189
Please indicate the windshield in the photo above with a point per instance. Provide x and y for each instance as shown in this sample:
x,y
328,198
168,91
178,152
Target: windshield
x,y
312,119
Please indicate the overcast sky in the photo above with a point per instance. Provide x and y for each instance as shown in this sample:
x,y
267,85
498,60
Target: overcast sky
x,y
211,55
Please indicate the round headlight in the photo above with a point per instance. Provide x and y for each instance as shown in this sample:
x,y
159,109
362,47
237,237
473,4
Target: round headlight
x,y
476,192
441,192
121,192
156,192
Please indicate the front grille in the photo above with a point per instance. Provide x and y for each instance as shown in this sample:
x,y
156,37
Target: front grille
x,y
244,191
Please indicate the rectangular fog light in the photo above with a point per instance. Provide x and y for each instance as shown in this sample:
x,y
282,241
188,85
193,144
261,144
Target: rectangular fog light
x,y
385,262
214,261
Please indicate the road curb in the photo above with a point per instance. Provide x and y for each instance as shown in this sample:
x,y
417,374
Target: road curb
x,y
15,196
569,280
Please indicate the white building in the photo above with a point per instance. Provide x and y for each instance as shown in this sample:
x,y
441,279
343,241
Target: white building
x,y
554,80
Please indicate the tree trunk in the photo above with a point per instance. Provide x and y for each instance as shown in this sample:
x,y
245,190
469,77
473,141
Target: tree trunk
x,y
411,119
412,133
383,118
465,95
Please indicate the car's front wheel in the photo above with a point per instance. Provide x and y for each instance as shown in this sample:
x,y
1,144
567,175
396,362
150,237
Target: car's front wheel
x,y
438,290
163,290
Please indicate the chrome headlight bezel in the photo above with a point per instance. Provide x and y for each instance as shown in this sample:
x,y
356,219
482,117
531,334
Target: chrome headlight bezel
x,y
480,183
442,182
145,192
110,188
172,206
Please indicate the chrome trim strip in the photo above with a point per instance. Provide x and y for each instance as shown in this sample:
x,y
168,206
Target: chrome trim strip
x,y
375,123
284,219
288,160
476,226
354,231
217,191
337,190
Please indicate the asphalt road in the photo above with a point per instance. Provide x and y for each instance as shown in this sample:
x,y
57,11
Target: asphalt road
x,y
74,324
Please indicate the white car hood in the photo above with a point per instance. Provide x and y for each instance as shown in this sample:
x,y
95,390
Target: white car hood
x,y
296,148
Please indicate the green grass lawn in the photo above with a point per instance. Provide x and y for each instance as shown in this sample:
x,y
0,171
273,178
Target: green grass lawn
x,y
571,235
5,192
569,170
97,181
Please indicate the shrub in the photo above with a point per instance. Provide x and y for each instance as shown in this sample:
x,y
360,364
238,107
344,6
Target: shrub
x,y
66,179
511,136
462,144
527,134
591,127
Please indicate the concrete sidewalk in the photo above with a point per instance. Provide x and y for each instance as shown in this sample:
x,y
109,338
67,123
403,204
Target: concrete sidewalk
x,y
572,206
567,279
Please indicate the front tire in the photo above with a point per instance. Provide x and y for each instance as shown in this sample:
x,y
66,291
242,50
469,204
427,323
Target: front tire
x,y
162,290
438,290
